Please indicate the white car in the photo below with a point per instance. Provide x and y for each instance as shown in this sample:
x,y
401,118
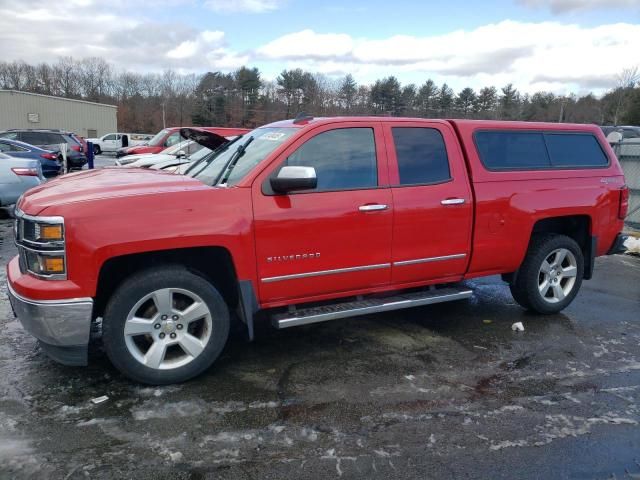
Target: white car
x,y
181,149
111,142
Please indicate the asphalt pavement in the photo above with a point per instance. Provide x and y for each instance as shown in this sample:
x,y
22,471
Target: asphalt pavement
x,y
445,391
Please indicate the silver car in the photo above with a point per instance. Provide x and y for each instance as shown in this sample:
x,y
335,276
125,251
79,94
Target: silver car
x,y
17,175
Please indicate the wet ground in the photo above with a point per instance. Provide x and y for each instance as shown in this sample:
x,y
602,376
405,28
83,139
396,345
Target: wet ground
x,y
447,391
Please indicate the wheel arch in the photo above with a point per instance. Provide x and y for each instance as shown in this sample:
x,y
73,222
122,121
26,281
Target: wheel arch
x,y
578,227
213,263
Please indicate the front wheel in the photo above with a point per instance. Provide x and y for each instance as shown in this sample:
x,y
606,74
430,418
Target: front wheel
x,y
165,325
551,274
96,150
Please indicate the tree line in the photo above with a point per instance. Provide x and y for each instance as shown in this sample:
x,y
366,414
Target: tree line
x,y
148,101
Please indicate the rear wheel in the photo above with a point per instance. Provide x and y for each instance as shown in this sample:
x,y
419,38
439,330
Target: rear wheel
x,y
551,274
165,325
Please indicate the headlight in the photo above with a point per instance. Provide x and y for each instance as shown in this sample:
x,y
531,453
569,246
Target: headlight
x,y
41,245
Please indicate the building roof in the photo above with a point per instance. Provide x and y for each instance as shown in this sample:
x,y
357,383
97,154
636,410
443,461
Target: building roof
x,y
18,92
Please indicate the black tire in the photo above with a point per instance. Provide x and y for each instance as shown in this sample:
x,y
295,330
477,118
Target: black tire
x,y
525,289
96,150
136,288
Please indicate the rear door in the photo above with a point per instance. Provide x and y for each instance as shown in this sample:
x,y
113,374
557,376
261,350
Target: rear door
x,y
336,237
432,201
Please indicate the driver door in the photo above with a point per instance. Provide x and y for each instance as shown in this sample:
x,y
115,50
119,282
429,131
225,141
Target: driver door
x,y
335,238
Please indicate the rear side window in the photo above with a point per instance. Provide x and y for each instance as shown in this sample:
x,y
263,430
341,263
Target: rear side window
x,y
512,150
515,150
422,156
575,150
344,159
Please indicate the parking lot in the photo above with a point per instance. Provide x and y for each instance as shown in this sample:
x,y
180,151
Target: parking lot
x,y
447,391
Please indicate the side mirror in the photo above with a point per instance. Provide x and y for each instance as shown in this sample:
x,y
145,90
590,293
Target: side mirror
x,y
294,178
181,154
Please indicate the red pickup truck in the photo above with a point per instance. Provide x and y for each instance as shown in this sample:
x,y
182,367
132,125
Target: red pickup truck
x,y
310,220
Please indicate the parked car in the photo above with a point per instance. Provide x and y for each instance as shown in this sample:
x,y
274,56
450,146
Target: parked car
x,y
17,175
112,142
49,160
627,131
181,149
170,136
50,140
182,165
311,220
212,147
202,144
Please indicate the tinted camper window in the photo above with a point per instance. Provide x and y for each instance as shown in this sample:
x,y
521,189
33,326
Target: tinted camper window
x,y
575,150
513,150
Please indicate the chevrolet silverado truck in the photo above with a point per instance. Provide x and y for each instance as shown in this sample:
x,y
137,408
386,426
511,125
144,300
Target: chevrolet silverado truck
x,y
309,220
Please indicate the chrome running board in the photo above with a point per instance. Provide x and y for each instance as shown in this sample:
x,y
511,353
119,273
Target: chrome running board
x,y
304,316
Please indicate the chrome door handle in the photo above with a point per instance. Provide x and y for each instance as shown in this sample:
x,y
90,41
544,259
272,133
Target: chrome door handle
x,y
452,201
372,208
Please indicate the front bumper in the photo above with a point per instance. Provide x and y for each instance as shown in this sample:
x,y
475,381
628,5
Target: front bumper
x,y
63,327
618,245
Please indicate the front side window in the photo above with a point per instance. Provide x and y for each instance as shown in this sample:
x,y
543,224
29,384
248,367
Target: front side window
x,y
9,135
110,137
344,159
422,156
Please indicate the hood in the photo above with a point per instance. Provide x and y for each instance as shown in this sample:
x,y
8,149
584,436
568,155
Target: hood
x,y
171,163
134,158
92,185
207,139
146,161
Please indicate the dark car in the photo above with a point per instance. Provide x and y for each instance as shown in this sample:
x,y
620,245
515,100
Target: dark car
x,y
627,131
48,159
50,140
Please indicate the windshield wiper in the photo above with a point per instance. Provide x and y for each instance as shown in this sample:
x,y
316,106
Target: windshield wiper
x,y
233,161
207,159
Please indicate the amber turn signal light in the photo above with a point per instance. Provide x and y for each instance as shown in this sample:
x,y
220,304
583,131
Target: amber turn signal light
x,y
54,265
51,232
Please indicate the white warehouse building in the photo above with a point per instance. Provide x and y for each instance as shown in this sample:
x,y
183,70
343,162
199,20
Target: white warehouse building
x,y
33,111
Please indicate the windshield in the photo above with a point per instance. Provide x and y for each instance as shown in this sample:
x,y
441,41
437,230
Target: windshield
x,y
159,137
252,148
199,155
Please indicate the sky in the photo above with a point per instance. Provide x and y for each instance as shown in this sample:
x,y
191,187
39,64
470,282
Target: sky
x,y
563,46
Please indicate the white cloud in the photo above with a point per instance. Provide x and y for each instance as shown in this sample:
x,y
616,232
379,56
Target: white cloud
x,y
530,55
545,55
110,31
307,44
251,6
562,6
